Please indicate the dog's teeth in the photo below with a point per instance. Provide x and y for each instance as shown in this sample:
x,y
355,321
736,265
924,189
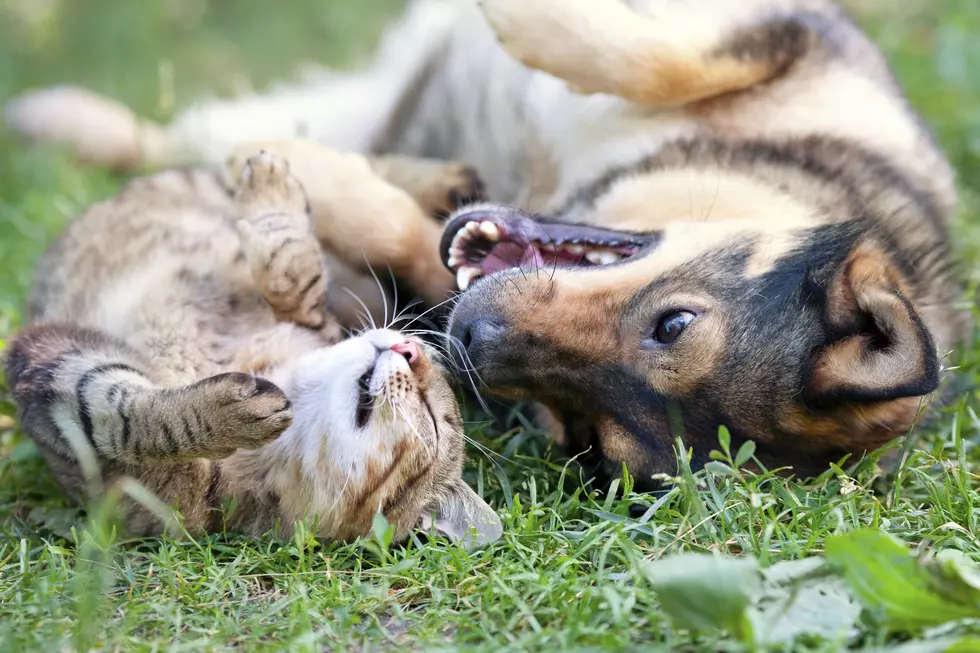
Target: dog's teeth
x,y
453,260
595,257
472,227
490,230
608,257
466,275
574,249
458,240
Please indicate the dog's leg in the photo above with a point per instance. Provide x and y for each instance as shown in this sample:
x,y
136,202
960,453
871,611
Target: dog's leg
x,y
362,219
348,111
673,53
439,187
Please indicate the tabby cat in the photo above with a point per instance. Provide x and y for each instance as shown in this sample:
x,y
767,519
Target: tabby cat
x,y
178,334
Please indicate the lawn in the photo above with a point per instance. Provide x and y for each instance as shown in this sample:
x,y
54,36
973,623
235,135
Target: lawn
x,y
573,570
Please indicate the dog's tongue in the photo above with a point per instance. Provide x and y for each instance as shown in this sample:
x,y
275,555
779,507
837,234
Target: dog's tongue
x,y
531,257
509,255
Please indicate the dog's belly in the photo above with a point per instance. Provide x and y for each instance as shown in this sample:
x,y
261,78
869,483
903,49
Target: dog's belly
x,y
532,139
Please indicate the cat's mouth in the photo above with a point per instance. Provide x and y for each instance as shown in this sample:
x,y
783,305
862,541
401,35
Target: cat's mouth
x,y
483,241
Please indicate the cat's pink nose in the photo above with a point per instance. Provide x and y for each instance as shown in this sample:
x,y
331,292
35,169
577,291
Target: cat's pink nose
x,y
408,349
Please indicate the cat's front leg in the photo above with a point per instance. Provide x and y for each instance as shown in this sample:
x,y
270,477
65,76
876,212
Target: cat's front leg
x,y
278,238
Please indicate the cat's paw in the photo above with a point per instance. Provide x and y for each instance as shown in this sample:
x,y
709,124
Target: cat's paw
x,y
242,411
266,185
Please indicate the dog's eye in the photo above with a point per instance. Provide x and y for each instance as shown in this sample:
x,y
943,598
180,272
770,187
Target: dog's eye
x,y
671,326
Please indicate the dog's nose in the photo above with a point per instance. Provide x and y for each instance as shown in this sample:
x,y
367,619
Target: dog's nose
x,y
480,334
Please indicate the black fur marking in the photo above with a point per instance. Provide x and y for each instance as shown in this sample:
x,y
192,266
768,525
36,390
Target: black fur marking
x,y
81,386
834,162
121,410
263,386
212,497
312,282
282,246
189,432
173,445
203,425
393,502
780,41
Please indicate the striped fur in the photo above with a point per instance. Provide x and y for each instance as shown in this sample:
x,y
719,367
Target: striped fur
x,y
179,335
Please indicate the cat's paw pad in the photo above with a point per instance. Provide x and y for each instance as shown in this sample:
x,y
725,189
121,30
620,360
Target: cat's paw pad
x,y
266,184
245,412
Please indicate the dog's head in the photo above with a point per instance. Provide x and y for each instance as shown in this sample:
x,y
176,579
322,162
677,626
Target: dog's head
x,y
790,331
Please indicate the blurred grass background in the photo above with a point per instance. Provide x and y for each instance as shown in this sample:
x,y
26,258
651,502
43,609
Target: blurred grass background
x,y
558,578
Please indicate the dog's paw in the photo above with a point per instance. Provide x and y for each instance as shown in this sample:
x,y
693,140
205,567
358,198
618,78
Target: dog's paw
x,y
242,411
266,185
528,29
461,185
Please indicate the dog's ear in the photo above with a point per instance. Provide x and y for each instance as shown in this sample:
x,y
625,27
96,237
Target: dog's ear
x,y
882,350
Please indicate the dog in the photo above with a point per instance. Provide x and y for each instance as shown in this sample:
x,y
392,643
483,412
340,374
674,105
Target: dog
x,y
706,214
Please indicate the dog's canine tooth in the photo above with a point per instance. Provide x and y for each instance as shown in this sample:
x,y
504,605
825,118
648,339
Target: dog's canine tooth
x,y
466,275
459,240
595,257
472,227
605,258
490,230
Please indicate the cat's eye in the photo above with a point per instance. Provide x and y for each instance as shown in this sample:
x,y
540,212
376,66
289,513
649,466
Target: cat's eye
x,y
671,325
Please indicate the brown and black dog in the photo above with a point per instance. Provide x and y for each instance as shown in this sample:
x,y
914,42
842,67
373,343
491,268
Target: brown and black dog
x,y
728,213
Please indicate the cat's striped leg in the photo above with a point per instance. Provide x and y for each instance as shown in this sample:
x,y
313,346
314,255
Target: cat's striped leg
x,y
77,388
278,239
366,220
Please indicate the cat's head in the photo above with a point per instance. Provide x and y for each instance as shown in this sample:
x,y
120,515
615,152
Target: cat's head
x,y
376,426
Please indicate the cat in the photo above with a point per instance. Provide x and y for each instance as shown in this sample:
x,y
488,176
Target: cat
x,y
178,334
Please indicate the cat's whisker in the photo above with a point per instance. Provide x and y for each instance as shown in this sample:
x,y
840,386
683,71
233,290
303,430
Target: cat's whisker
x,y
367,311
453,298
487,452
343,489
381,289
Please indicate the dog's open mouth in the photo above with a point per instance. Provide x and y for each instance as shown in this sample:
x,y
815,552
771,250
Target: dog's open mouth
x,y
480,242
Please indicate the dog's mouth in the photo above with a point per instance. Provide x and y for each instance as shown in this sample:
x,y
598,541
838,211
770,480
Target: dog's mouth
x,y
481,242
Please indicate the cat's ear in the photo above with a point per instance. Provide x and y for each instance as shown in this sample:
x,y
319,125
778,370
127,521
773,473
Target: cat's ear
x,y
464,517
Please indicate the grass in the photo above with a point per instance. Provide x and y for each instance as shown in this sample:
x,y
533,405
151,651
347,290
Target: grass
x,y
569,573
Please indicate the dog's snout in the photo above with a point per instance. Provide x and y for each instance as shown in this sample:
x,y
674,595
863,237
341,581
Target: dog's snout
x,y
479,334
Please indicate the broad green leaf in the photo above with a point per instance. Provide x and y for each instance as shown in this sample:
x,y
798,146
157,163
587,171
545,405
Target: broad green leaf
x,y
383,532
725,440
745,452
888,579
799,598
705,593
955,577
719,468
